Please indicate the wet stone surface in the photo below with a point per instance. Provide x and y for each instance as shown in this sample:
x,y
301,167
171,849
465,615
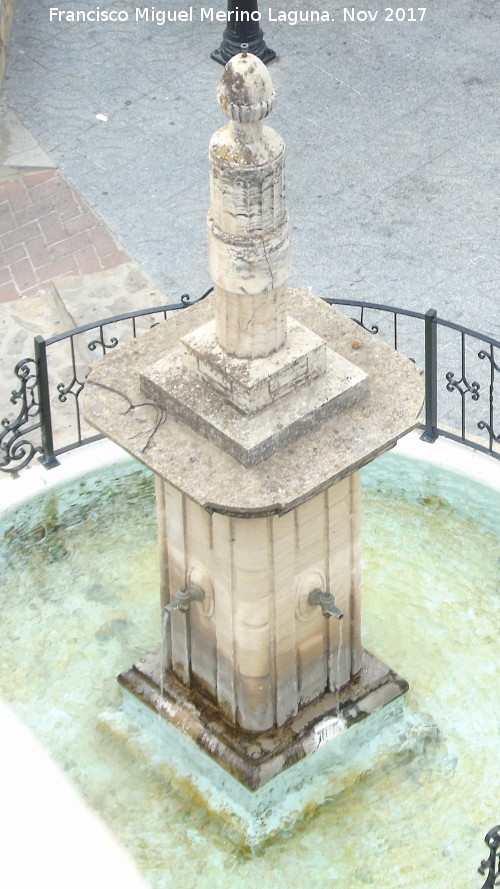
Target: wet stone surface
x,y
253,758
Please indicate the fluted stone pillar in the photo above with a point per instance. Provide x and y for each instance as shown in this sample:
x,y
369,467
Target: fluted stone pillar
x,y
248,222
256,645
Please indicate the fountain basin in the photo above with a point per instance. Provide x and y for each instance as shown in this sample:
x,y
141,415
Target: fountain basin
x,y
417,816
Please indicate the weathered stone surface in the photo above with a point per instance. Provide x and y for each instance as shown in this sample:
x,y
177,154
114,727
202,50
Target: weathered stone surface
x,y
250,438
322,456
248,234
253,385
256,628
220,386
252,325
245,92
248,265
7,8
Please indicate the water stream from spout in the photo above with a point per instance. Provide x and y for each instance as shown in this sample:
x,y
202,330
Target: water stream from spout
x,y
338,665
163,652
335,663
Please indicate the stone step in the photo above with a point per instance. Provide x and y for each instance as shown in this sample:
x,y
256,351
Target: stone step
x,y
20,321
88,298
70,302
19,150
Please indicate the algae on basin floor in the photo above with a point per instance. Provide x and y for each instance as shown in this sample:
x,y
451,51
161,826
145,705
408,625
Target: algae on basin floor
x,y
79,602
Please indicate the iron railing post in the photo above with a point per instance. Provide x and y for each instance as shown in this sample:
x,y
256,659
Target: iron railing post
x,y
430,433
47,459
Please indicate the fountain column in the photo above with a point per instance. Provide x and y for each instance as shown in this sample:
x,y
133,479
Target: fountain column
x,y
256,409
257,645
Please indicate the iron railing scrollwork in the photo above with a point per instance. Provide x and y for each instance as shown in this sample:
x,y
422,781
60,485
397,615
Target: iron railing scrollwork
x,y
461,424
92,346
491,865
494,367
186,299
15,444
472,418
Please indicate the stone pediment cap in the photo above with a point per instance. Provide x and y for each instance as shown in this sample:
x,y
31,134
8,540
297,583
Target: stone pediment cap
x,y
245,92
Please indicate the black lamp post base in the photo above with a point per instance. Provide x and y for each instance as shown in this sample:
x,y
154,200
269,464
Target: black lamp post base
x,y
231,47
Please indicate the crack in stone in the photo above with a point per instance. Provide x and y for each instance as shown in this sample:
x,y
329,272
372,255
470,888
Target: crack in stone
x,y
161,413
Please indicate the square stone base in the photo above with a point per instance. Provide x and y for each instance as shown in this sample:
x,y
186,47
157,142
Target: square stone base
x,y
251,438
252,758
319,756
254,384
328,452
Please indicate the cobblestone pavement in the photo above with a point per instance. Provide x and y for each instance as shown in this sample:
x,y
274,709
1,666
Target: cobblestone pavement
x,y
391,130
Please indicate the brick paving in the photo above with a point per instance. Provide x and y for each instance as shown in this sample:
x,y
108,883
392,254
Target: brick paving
x,y
47,230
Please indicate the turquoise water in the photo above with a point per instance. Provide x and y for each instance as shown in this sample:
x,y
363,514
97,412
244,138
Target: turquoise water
x,y
79,602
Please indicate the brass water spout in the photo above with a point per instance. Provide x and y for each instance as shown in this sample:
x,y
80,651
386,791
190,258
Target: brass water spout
x,y
326,602
184,598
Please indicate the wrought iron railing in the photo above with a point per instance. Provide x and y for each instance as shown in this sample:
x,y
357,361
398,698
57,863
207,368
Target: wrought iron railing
x,y
472,418
460,367
491,865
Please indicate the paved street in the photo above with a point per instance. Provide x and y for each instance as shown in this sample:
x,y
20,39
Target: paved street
x,y
47,231
391,130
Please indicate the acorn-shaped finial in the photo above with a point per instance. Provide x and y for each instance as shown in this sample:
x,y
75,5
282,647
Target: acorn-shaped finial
x,y
245,92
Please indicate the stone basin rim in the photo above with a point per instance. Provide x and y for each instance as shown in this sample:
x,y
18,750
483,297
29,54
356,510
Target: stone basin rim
x,y
35,481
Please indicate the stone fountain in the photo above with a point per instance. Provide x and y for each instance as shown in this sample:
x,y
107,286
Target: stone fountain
x,y
256,409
